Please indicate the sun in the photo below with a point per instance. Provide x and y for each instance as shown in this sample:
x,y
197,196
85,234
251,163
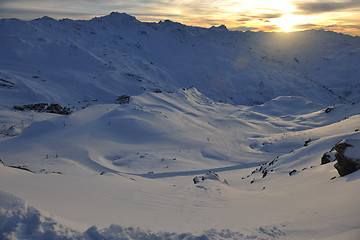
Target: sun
x,y
288,22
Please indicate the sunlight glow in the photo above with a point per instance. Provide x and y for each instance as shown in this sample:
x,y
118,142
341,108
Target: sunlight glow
x,y
287,22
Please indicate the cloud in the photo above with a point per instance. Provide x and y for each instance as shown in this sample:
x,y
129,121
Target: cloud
x,y
270,15
244,28
26,9
353,26
306,26
29,13
352,29
270,28
244,19
305,7
264,17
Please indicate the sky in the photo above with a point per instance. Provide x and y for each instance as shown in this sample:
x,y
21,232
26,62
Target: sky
x,y
256,15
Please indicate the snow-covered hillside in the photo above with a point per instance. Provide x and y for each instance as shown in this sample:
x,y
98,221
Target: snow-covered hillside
x,y
168,131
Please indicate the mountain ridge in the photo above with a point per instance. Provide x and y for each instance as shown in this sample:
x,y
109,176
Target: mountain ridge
x,y
236,67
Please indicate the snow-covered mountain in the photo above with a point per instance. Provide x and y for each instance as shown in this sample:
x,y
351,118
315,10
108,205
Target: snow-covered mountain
x,y
168,131
69,61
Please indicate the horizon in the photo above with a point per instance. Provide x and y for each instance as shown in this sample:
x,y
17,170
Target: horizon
x,y
277,16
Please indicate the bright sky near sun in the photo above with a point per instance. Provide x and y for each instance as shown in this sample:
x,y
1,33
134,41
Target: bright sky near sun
x,y
265,15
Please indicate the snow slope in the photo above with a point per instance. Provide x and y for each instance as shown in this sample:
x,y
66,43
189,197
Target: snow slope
x,y
141,170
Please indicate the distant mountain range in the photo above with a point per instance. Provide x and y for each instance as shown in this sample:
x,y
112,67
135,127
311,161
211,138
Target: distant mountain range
x,y
71,62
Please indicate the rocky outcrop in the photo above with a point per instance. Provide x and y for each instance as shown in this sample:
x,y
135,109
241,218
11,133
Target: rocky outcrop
x,y
123,99
45,107
328,157
12,131
292,172
347,161
209,175
347,155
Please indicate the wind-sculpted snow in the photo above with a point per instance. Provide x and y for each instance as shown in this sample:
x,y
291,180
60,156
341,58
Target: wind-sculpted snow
x,y
19,221
166,131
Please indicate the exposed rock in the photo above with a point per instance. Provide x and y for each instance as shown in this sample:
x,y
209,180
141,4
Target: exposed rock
x,y
12,131
198,179
6,84
307,142
329,109
45,107
264,173
22,168
328,157
123,99
325,158
292,172
158,90
347,162
209,175
56,108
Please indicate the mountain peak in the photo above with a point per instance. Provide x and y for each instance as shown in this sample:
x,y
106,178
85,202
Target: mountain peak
x,y
219,28
169,22
45,19
120,17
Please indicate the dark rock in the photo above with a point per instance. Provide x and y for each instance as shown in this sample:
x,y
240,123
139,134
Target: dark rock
x,y
56,108
20,108
157,91
6,84
22,168
329,109
123,99
208,176
2,163
325,158
345,165
307,142
196,180
45,107
38,107
292,172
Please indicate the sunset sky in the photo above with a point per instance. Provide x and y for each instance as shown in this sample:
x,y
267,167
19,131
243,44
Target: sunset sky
x,y
275,15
